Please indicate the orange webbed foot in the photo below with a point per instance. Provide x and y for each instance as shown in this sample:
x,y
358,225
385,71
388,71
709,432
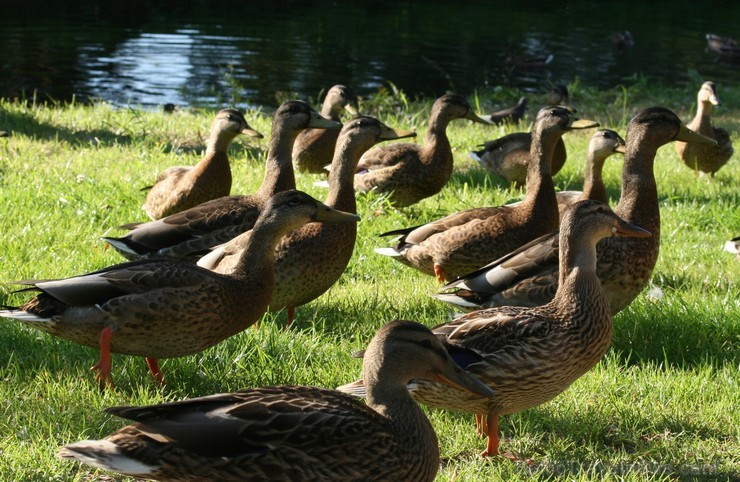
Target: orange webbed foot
x,y
104,362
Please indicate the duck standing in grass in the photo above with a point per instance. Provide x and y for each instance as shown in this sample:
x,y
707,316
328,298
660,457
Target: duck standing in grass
x,y
529,276
706,157
464,241
164,308
511,115
309,260
314,148
191,233
408,172
528,356
179,188
289,433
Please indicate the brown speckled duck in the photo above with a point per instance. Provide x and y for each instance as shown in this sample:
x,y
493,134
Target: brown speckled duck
x,y
309,261
530,355
408,172
461,242
289,433
528,276
706,157
179,188
162,308
314,148
191,233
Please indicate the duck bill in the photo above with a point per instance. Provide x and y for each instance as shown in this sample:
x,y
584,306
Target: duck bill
x,y
583,124
630,230
326,214
621,148
248,131
687,135
320,122
459,379
388,133
474,117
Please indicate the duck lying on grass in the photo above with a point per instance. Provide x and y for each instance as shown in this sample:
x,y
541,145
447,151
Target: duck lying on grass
x,y
288,433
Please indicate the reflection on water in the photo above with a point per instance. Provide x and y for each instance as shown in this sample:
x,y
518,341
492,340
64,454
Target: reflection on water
x,y
248,51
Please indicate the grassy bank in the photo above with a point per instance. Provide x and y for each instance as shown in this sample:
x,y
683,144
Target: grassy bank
x,y
662,405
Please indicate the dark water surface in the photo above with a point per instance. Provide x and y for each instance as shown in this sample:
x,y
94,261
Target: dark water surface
x,y
212,53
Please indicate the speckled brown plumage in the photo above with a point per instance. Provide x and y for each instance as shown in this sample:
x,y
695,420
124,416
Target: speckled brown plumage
x,y
312,258
180,188
190,233
314,148
290,433
408,172
530,355
706,157
164,308
529,276
464,241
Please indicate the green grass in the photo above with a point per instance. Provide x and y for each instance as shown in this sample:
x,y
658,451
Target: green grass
x,y
662,405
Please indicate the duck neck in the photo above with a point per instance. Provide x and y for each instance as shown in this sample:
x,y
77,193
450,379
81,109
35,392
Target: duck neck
x,y
256,259
341,177
593,184
638,203
219,141
436,136
580,297
414,430
702,121
279,174
540,195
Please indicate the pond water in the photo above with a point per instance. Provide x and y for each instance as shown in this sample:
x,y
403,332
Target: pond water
x,y
244,52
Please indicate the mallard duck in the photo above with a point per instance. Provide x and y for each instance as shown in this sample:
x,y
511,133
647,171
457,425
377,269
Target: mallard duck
x,y
179,188
513,114
604,143
408,172
288,433
314,148
559,95
529,275
508,156
309,261
190,233
706,157
726,47
164,308
461,242
530,355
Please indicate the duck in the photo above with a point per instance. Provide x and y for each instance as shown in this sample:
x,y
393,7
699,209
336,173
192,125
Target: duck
x,y
178,188
603,144
408,172
189,234
165,308
314,148
528,276
287,433
309,261
528,356
706,157
726,47
623,40
513,114
507,157
461,242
